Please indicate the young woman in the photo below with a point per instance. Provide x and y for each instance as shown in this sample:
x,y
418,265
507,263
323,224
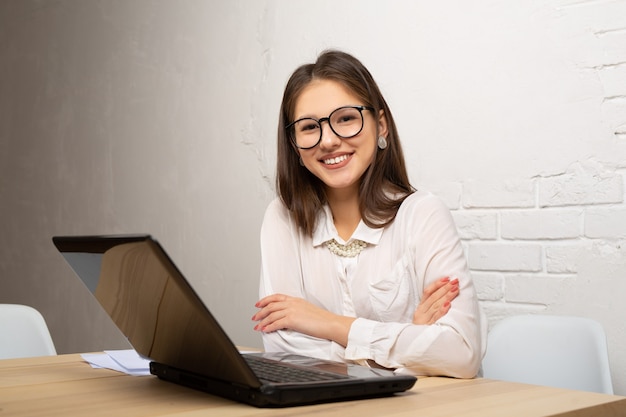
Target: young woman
x,y
356,264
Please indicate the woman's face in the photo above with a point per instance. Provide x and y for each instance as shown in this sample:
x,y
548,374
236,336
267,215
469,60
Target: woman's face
x,y
338,163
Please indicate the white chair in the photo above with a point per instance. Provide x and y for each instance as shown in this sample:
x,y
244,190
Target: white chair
x,y
23,333
558,351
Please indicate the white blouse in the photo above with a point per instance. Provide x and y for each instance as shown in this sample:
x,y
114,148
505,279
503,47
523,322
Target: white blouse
x,y
381,286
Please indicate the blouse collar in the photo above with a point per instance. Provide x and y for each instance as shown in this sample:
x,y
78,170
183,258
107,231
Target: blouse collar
x,y
325,230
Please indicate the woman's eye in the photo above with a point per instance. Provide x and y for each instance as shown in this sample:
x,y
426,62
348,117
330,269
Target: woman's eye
x,y
307,126
346,118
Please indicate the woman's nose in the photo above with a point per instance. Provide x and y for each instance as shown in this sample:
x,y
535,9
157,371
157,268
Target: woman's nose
x,y
329,138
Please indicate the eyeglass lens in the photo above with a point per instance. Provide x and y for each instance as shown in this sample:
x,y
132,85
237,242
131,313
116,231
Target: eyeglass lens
x,y
345,122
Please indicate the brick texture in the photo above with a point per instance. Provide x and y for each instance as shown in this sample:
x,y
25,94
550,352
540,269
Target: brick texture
x,y
524,240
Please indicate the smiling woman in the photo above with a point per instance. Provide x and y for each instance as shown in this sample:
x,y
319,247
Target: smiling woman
x,y
356,264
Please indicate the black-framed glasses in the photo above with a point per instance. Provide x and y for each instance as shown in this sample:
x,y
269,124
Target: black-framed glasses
x,y
345,122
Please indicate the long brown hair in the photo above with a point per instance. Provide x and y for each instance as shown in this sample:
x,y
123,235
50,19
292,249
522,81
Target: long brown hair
x,y
384,185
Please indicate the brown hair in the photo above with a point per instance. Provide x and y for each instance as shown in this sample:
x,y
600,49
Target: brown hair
x,y
383,186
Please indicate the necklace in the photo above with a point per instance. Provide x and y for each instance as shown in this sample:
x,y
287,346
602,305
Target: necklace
x,y
350,250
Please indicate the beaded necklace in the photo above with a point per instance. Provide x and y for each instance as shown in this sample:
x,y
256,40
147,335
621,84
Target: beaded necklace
x,y
350,250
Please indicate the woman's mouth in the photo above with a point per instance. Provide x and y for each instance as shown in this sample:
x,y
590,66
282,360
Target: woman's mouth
x,y
336,160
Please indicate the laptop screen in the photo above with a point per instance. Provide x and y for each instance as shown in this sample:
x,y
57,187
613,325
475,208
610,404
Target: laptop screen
x,y
153,305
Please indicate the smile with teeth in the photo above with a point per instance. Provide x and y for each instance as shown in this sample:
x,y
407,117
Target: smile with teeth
x,y
333,161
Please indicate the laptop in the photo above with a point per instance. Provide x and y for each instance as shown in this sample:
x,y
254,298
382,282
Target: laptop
x,y
156,308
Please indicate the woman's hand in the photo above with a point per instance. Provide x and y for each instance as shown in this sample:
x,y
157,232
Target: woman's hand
x,y
279,312
436,301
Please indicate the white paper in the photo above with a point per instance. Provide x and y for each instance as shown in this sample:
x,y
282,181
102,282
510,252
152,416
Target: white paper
x,y
126,361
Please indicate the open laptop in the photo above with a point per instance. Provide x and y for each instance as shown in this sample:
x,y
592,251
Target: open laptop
x,y
156,308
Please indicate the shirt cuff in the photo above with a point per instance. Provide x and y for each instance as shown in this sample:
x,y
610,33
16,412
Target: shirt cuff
x,y
360,339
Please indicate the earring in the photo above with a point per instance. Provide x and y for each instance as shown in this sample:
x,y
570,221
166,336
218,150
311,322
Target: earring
x,y
382,142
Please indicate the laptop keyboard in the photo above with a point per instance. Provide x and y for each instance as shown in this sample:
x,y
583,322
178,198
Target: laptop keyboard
x,y
278,372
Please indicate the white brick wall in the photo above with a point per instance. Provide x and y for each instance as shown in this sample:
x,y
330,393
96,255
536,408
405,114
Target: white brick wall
x,y
608,223
526,241
477,194
553,239
580,186
541,224
505,256
477,224
563,258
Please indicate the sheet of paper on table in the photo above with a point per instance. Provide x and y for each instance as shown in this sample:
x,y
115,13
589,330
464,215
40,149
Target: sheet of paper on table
x,y
127,361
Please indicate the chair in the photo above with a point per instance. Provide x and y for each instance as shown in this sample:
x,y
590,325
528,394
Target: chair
x,y
23,333
558,351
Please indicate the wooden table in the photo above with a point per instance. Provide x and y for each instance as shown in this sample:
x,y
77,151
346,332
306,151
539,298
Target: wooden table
x,y
66,386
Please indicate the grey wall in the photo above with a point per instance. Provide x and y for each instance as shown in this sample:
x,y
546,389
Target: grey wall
x,y
160,117
131,117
